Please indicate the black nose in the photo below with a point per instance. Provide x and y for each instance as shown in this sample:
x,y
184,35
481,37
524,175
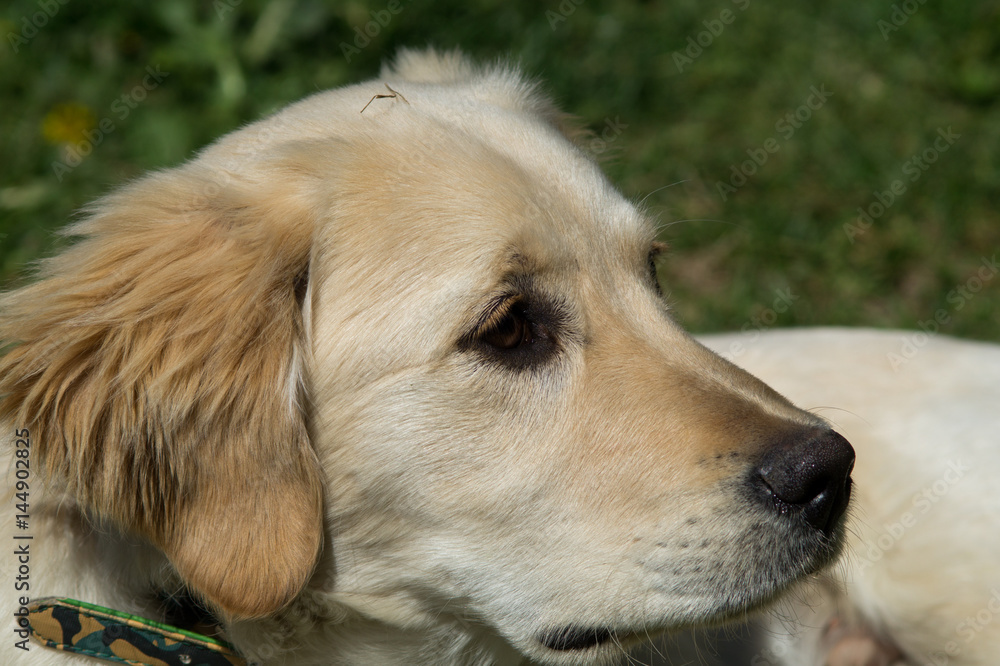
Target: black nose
x,y
808,475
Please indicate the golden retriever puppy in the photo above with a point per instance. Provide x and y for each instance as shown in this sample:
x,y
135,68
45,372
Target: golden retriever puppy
x,y
919,584
386,378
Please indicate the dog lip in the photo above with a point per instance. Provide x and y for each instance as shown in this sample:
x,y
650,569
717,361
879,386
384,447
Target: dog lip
x,y
573,637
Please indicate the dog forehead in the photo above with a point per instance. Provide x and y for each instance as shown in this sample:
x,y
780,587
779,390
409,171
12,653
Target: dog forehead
x,y
502,106
440,186
486,180
410,128
494,125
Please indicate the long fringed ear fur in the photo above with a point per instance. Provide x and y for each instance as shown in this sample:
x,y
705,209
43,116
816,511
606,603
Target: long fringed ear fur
x,y
158,366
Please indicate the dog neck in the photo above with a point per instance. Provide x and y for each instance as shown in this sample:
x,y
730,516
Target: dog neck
x,y
320,626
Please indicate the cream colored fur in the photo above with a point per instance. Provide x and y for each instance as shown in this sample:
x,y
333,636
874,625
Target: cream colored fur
x,y
277,377
920,581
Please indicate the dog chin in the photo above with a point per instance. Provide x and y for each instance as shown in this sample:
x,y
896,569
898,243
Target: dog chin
x,y
776,554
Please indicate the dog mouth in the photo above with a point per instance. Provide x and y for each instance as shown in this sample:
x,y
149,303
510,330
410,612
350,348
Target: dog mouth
x,y
564,639
570,638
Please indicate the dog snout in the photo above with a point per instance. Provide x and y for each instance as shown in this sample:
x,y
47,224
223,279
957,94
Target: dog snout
x,y
808,476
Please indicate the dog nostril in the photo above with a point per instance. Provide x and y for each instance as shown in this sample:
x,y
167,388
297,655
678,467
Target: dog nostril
x,y
809,475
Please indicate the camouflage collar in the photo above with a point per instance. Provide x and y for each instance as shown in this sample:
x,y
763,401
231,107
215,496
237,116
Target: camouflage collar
x,y
109,635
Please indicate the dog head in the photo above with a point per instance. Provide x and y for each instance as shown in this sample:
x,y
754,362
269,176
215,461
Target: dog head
x,y
429,337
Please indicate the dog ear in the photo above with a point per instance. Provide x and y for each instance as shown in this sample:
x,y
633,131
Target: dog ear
x,y
159,365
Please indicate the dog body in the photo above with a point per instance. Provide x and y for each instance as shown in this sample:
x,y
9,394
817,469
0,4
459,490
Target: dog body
x,y
920,579
396,386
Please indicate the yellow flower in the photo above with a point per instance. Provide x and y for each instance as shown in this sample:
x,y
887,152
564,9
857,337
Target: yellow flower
x,y
68,123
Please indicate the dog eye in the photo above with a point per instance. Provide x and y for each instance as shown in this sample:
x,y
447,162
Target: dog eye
x,y
513,330
515,334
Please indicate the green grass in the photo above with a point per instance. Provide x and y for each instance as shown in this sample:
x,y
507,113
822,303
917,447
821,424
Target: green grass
x,y
683,129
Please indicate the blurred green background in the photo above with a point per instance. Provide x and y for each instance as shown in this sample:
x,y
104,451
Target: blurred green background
x,y
754,131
